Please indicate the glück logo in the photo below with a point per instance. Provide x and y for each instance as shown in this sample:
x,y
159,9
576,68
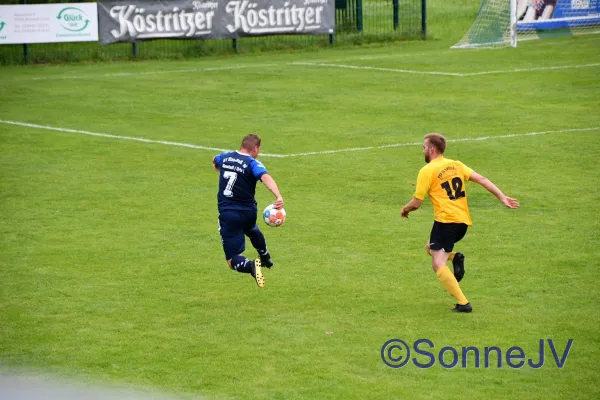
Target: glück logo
x,y
73,19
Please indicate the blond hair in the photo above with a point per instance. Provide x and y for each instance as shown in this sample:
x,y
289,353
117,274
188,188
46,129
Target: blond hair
x,y
436,140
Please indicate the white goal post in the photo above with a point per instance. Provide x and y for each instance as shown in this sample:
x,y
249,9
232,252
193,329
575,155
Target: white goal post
x,y
501,23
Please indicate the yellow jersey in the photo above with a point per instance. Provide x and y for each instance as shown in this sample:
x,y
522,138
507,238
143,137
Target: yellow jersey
x,y
444,181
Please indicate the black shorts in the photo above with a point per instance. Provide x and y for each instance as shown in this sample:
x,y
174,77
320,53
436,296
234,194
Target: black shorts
x,y
444,235
233,226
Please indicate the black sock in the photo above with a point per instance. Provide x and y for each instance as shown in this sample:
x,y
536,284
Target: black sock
x,y
258,241
264,254
241,264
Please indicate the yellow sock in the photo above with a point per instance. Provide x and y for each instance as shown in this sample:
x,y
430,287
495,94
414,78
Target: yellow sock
x,y
451,256
449,281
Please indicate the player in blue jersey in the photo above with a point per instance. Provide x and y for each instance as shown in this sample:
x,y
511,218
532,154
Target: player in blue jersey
x,y
238,173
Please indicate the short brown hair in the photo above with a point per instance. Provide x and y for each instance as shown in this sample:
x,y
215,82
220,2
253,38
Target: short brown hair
x,y
249,141
436,140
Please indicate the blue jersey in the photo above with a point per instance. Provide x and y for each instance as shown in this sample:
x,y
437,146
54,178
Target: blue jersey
x,y
237,181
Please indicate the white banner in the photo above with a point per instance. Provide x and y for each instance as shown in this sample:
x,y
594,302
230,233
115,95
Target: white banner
x,y
49,23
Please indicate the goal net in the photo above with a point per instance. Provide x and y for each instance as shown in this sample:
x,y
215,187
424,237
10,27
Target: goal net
x,y
504,22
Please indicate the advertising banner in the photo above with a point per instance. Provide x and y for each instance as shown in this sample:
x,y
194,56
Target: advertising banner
x,y
48,23
132,21
559,14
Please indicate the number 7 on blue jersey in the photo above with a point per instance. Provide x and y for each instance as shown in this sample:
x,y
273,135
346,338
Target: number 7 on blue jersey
x,y
231,177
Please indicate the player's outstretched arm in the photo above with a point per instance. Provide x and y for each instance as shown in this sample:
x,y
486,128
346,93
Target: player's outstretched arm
x,y
269,182
493,189
411,206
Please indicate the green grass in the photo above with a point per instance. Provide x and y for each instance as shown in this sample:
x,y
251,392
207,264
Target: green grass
x,y
111,267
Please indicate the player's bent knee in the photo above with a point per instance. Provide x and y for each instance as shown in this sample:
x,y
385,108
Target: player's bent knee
x,y
439,258
436,265
229,263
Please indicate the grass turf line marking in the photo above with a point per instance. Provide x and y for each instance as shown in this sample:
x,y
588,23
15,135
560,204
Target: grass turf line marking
x,y
475,139
178,71
312,64
105,135
380,56
532,69
409,71
553,42
311,153
580,35
405,71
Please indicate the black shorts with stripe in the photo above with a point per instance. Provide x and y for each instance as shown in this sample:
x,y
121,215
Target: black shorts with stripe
x,y
444,235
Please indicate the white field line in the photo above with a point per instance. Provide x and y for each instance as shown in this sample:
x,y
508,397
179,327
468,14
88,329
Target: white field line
x,y
313,64
175,71
193,146
105,135
547,42
405,71
532,69
381,56
475,139
530,38
408,71
553,42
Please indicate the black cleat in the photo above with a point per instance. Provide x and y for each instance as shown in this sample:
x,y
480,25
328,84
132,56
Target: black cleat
x,y
463,308
266,261
459,266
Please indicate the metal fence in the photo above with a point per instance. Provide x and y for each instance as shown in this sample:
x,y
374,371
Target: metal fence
x,y
357,22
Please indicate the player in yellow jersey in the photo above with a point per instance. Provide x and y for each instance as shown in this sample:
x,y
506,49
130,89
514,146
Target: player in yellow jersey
x,y
444,180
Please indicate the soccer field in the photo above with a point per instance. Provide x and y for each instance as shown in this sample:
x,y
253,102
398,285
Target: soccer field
x,y
111,265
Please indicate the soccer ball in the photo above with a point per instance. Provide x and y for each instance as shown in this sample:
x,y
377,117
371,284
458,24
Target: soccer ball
x,y
273,216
